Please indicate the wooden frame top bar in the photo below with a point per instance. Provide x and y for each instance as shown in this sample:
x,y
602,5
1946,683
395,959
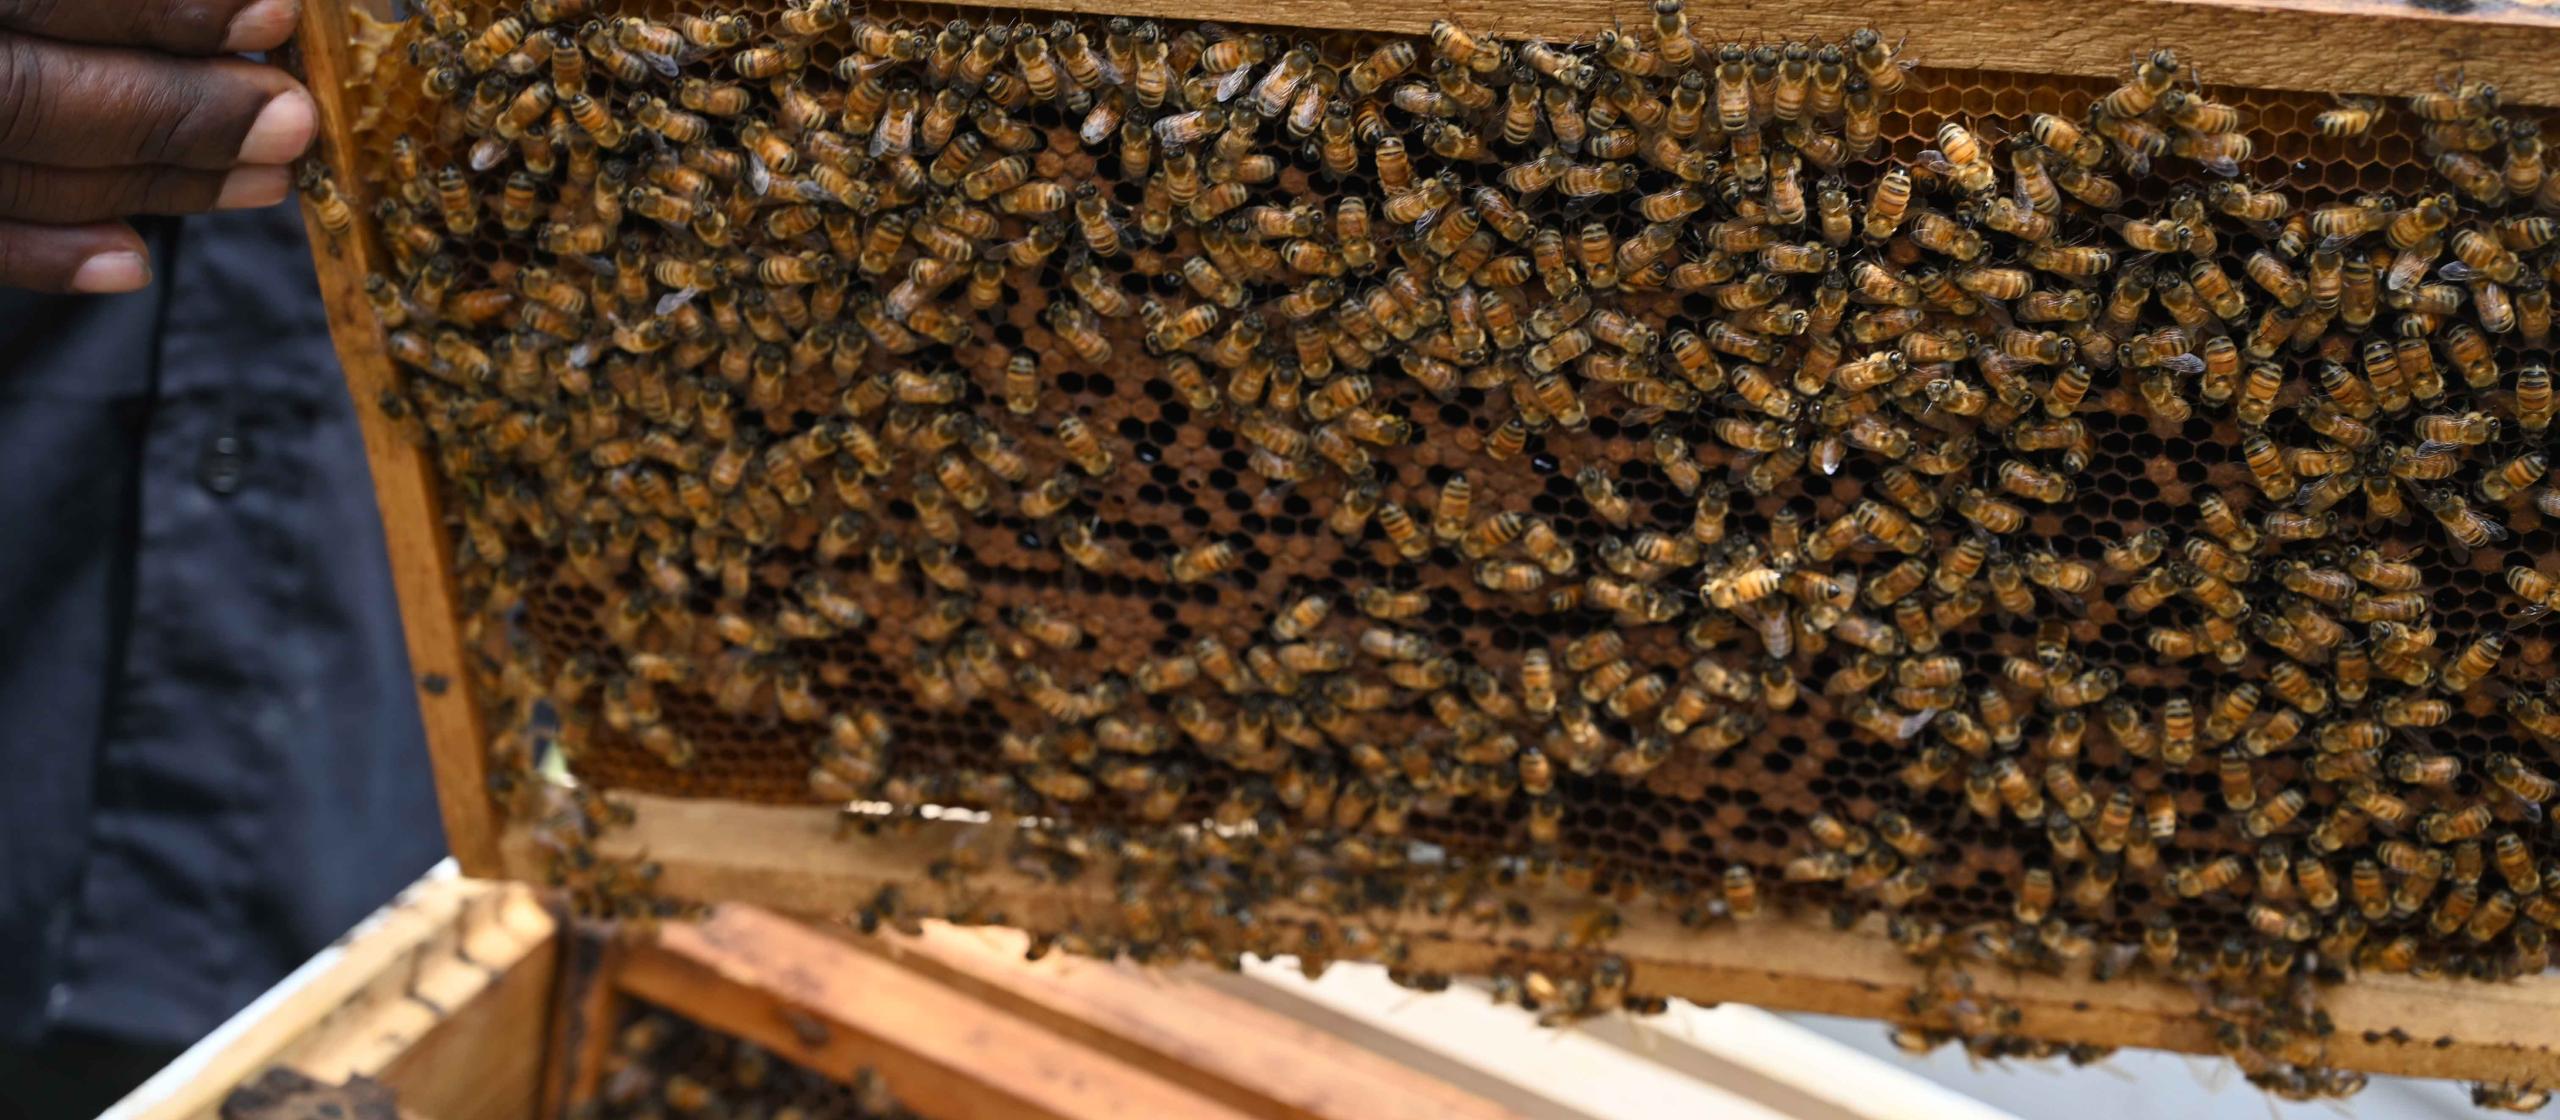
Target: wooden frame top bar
x,y
2359,46
794,860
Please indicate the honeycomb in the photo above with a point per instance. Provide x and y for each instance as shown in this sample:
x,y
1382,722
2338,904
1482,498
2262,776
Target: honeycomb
x,y
663,1064
2096,519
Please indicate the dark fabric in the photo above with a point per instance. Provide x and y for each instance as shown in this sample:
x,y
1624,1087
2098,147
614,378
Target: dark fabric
x,y
210,761
74,1075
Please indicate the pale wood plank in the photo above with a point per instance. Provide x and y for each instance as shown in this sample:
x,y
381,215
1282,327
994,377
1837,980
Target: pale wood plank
x,y
820,1003
1183,1031
793,860
485,1060
2363,46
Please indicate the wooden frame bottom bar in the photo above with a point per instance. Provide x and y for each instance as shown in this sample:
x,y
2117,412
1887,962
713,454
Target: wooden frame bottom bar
x,y
794,860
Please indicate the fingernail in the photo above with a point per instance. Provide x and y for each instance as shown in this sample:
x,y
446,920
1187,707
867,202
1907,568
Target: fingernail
x,y
247,188
119,271
283,129
263,25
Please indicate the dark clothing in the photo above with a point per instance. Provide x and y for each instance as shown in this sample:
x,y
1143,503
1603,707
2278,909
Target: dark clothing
x,y
74,1075
210,759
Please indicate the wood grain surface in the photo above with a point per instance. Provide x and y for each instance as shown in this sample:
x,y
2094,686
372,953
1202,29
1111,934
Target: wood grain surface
x,y
2362,46
404,480
794,860
1230,1049
818,1002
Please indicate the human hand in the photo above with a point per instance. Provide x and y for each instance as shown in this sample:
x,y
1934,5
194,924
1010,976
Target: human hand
x,y
113,108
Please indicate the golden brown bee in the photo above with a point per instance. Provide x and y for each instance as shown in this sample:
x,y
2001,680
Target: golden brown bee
x,y
330,209
2150,82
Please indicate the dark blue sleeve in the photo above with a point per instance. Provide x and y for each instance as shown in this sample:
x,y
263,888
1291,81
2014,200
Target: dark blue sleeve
x,y
230,770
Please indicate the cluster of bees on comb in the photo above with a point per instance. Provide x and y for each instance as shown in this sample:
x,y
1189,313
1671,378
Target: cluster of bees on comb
x,y
1372,473
664,1065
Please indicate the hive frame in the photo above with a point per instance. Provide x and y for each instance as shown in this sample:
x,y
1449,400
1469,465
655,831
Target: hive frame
x,y
800,860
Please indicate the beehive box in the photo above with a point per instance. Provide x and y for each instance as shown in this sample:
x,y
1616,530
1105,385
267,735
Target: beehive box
x,y
474,1000
1496,506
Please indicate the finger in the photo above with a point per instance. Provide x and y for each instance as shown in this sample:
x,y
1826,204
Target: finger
x,y
99,258
197,27
62,195
71,105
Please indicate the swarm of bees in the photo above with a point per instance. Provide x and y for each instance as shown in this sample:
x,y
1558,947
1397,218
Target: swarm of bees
x,y
1413,472
664,1065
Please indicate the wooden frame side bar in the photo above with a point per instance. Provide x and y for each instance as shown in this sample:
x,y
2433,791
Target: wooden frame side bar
x,y
794,860
404,479
819,1002
585,1018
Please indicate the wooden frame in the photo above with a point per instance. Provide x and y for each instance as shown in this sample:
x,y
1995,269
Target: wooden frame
x,y
790,859
2382,46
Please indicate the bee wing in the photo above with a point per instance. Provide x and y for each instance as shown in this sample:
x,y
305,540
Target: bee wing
x,y
1998,310
2188,364
582,355
2455,271
2071,604
487,153
1232,82
671,302
2224,166
2408,269
1827,454
1098,126
665,65
759,177
864,66
892,131
1912,724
